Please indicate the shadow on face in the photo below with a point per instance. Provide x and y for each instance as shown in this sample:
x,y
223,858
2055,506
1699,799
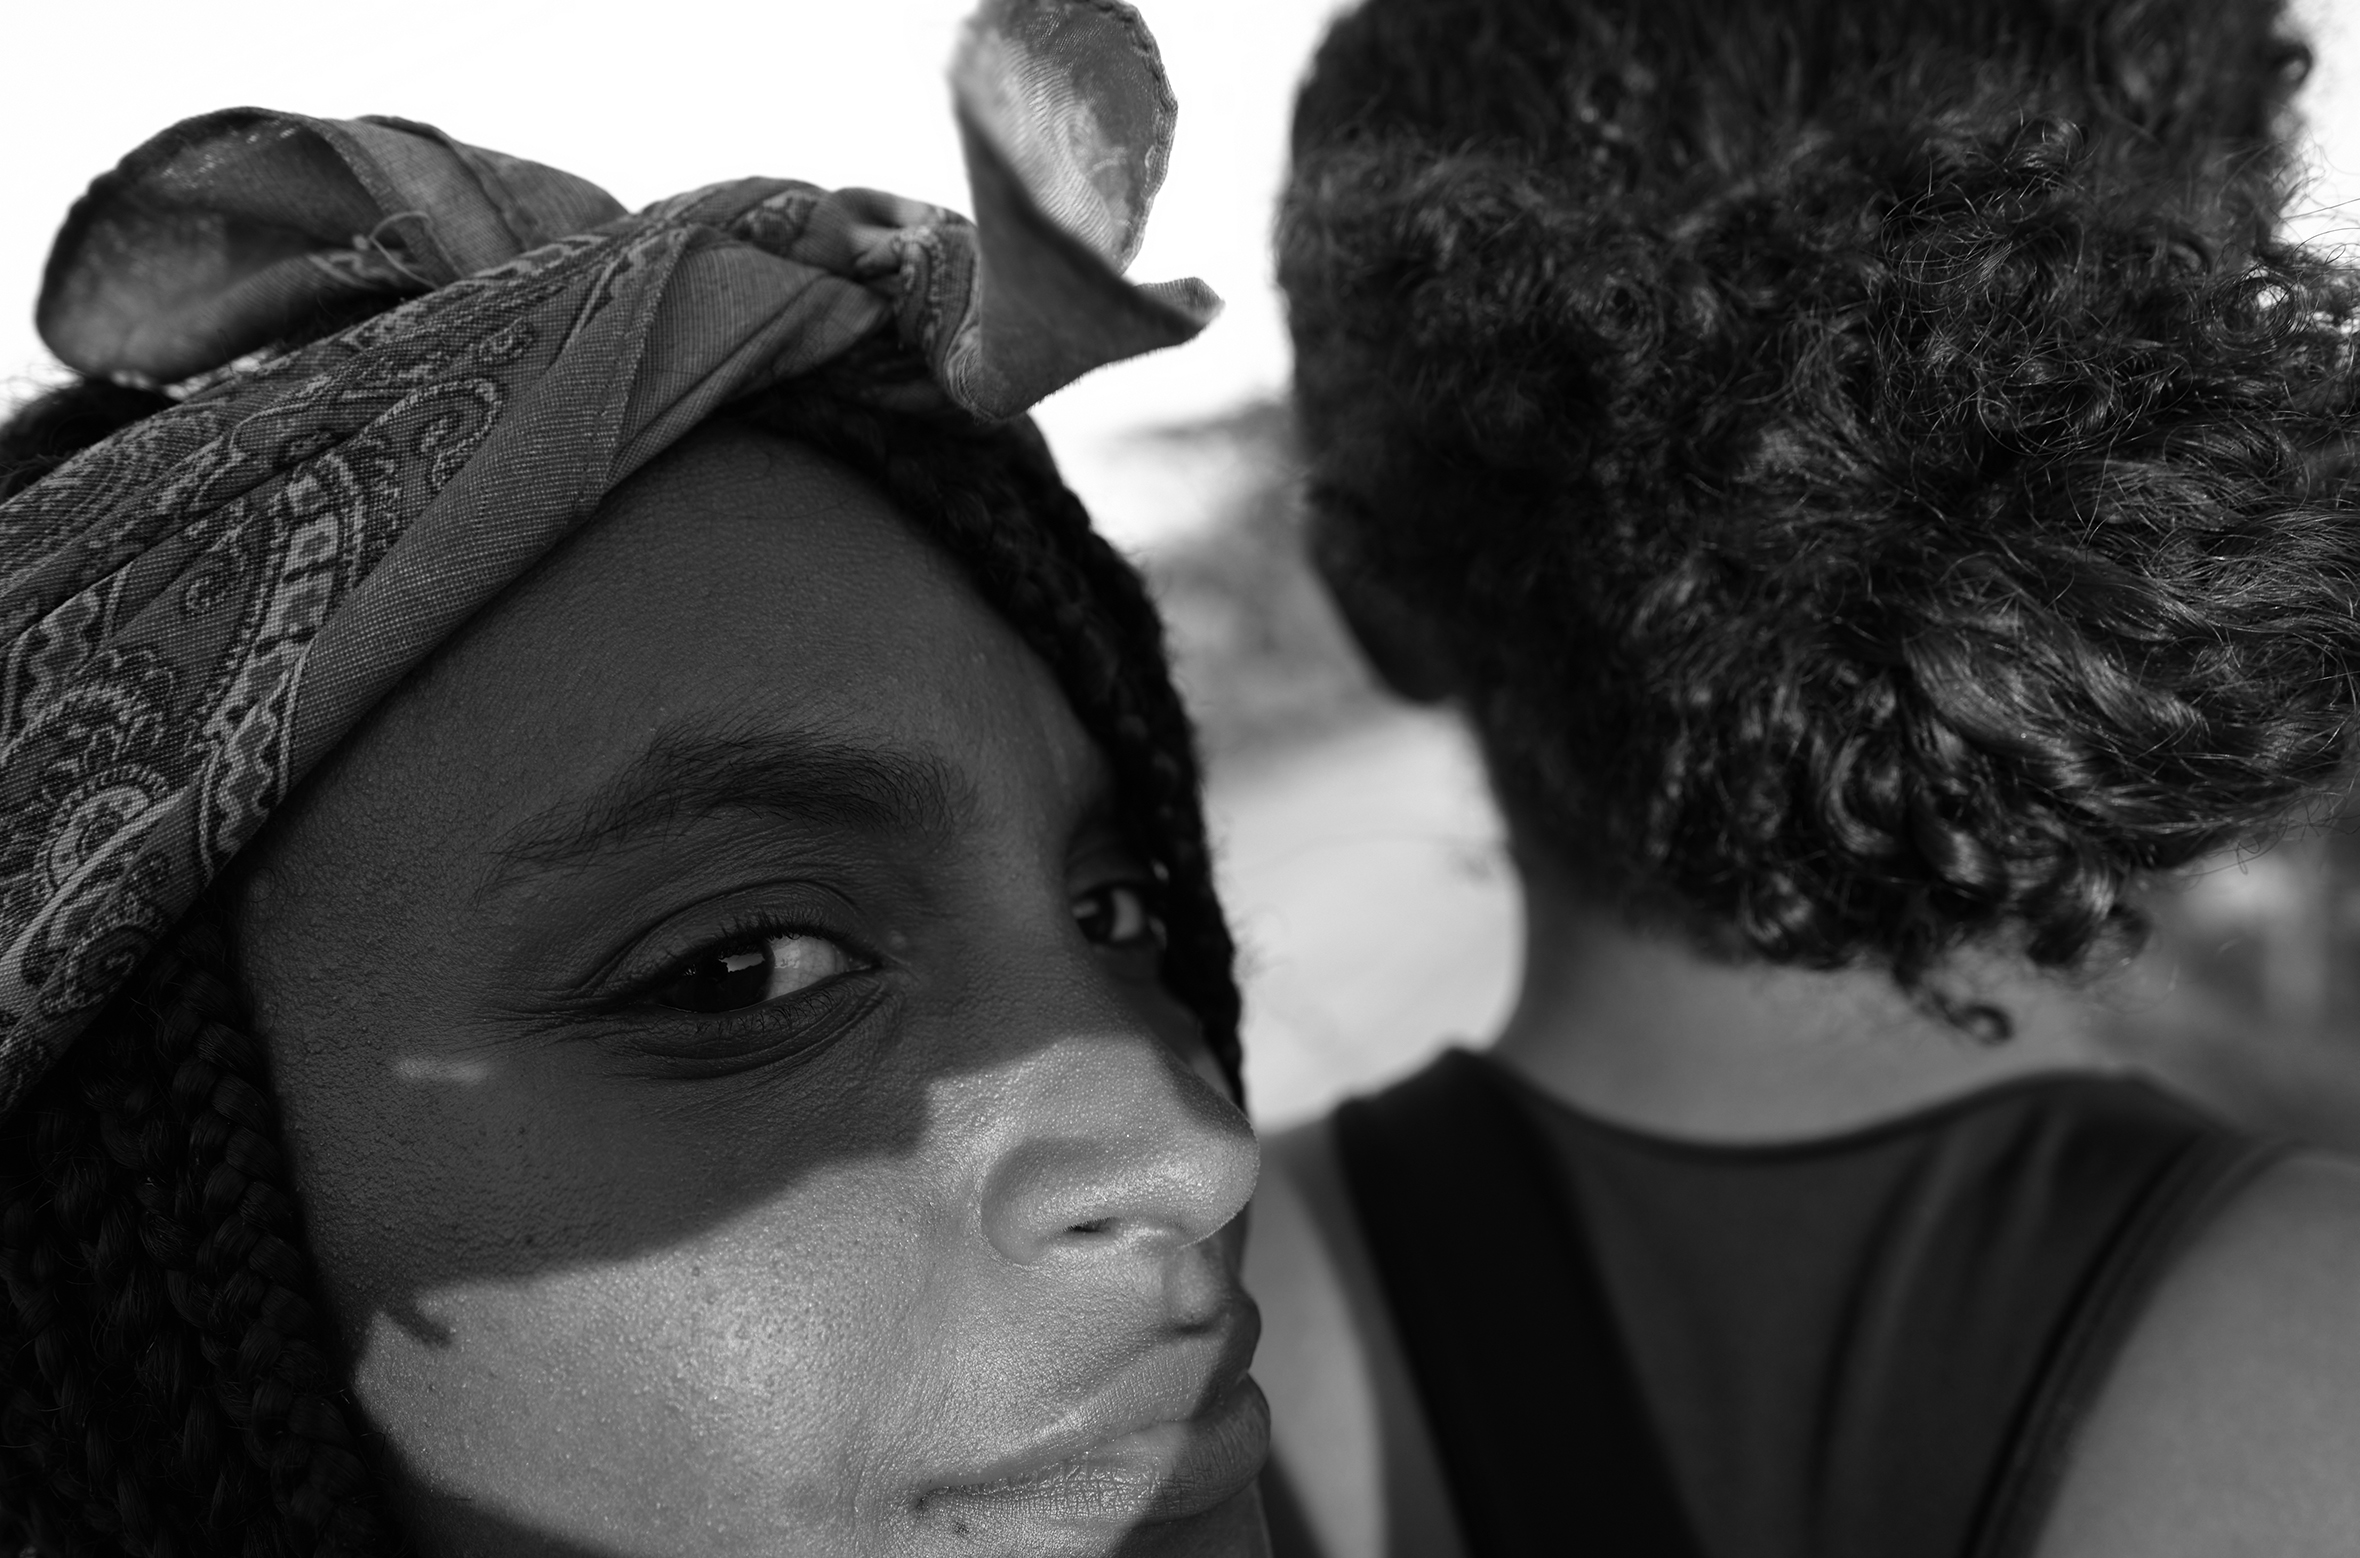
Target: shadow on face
x,y
732,1097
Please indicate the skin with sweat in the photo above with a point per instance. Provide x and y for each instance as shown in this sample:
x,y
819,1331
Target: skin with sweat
x,y
732,1097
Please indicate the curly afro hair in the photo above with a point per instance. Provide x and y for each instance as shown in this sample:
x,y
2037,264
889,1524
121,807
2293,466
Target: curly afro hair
x,y
1877,478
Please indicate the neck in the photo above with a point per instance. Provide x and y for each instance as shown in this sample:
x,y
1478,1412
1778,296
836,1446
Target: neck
x,y
1643,1029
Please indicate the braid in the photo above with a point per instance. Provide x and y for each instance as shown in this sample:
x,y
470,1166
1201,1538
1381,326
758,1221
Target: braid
x,y
169,1388
993,500
57,424
168,1383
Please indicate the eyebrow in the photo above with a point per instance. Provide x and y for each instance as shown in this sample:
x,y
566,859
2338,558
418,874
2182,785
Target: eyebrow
x,y
692,771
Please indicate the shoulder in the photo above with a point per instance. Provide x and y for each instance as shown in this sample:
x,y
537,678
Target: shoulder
x,y
2230,1423
1346,1431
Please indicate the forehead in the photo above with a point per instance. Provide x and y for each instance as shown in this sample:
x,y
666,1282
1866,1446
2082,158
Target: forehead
x,y
741,584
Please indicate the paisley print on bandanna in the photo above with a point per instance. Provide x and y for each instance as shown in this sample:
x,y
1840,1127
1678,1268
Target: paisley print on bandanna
x,y
199,608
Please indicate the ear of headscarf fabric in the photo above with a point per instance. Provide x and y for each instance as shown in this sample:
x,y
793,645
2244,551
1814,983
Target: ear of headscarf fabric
x,y
199,608
237,229
228,232
1067,123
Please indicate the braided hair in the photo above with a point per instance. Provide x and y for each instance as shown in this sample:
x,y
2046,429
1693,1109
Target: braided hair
x,y
170,1384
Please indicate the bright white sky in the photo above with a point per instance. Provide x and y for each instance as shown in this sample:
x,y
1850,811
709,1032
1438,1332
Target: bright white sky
x,y
650,99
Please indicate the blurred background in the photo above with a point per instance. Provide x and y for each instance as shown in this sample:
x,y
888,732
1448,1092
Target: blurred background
x,y
1359,853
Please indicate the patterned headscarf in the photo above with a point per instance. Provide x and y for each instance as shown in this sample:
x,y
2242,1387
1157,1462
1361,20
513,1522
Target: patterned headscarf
x,y
199,608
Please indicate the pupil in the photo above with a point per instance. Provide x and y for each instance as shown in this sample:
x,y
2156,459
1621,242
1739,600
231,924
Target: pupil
x,y
722,982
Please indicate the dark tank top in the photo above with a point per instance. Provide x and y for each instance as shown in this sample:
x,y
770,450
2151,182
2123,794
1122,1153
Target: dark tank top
x,y
1871,1345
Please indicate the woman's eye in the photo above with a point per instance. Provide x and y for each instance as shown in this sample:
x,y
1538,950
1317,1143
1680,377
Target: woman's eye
x,y
750,972
1118,915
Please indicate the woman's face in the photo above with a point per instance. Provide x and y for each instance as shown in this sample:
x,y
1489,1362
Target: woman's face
x,y
732,1098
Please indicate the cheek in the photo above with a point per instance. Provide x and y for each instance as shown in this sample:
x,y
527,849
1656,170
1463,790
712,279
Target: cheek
x,y
761,1374
808,1362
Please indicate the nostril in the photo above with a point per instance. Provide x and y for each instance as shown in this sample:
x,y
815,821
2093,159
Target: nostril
x,y
1116,1161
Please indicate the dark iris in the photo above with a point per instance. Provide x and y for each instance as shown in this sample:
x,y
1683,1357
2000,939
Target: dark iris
x,y
721,981
1117,915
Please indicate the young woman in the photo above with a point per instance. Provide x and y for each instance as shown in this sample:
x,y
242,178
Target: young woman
x,y
1880,490
607,938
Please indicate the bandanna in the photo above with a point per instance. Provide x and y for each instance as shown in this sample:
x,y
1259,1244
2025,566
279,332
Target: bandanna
x,y
199,608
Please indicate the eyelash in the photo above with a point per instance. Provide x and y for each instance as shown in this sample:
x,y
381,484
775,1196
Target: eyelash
x,y
741,1038
744,1038
735,931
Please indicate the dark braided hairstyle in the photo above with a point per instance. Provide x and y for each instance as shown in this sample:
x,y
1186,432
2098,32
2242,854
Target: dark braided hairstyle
x,y
1872,468
171,1385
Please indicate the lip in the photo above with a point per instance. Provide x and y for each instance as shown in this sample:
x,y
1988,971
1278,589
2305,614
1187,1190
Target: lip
x,y
1148,1475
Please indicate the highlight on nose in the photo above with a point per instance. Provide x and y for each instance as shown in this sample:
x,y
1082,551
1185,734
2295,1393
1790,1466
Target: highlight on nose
x,y
1125,1154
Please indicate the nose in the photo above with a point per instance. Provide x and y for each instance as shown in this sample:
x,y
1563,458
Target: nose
x,y
1123,1155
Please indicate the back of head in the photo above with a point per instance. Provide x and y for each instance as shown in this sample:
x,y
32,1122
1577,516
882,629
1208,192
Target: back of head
x,y
1872,470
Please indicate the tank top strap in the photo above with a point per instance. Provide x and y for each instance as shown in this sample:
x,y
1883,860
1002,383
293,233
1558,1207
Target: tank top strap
x,y
1881,1341
2193,1166
1545,1438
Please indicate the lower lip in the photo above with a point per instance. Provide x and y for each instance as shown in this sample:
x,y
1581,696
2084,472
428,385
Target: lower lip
x,y
1167,1472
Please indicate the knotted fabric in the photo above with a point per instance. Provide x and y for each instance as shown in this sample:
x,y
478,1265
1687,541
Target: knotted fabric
x,y
199,608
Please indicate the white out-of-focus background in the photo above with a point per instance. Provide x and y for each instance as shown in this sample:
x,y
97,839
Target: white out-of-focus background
x,y
1359,852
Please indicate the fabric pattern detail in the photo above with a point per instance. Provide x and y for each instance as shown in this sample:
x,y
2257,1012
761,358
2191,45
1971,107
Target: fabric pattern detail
x,y
196,610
